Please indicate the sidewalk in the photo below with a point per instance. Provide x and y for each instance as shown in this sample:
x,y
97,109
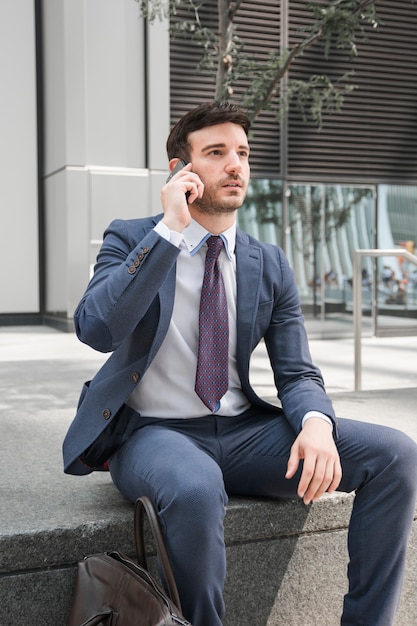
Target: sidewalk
x,y
387,362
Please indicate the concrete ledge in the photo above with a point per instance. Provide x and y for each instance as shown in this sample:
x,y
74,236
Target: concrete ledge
x,y
272,548
286,564
286,561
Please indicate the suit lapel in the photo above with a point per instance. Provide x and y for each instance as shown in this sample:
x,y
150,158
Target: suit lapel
x,y
249,263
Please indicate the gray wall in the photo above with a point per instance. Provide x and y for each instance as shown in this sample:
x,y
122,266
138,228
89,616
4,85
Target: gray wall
x,y
97,132
106,119
19,272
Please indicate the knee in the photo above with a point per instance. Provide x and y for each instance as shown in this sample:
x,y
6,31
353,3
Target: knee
x,y
405,449
403,460
198,496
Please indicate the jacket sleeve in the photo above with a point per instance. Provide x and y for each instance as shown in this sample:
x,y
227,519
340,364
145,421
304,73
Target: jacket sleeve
x,y
299,382
131,267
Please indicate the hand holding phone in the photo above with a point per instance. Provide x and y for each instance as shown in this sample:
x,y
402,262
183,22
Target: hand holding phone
x,y
177,213
179,166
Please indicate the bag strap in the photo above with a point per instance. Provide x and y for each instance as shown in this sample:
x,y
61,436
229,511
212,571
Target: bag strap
x,y
144,506
104,615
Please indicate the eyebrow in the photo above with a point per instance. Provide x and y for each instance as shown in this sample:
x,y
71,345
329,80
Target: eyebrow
x,y
222,145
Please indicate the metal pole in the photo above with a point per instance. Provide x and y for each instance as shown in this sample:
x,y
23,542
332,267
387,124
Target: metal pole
x,y
357,317
323,243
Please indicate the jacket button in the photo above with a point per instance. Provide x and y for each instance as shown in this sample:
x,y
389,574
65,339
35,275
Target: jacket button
x,y
106,414
132,269
145,250
135,377
140,257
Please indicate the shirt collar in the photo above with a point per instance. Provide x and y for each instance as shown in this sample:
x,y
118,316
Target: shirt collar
x,y
195,236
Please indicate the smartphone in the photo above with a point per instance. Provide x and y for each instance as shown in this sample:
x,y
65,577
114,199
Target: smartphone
x,y
176,169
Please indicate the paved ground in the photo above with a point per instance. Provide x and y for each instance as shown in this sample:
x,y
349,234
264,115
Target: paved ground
x,y
387,362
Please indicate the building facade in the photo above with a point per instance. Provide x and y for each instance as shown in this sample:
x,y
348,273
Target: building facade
x,y
89,93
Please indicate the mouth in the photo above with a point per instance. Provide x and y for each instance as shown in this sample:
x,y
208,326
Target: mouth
x,y
232,184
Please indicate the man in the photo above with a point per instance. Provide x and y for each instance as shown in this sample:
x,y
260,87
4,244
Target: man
x,y
154,415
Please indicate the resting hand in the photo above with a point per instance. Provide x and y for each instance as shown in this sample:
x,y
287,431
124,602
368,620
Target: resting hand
x,y
321,470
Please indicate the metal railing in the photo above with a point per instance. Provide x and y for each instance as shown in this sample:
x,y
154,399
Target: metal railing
x,y
357,300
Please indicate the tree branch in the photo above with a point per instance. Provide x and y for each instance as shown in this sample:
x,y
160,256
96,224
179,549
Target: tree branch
x,y
316,35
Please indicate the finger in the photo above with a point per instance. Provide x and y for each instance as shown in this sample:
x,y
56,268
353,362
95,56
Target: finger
x,y
293,462
186,168
337,477
316,489
321,479
195,190
305,487
326,478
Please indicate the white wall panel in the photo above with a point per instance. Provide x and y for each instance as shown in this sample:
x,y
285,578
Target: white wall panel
x,y
54,92
19,274
117,195
115,94
158,93
95,134
67,236
56,242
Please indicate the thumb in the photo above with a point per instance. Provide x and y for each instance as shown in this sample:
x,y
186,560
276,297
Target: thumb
x,y
293,461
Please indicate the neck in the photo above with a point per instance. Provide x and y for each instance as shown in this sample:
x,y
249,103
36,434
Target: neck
x,y
215,224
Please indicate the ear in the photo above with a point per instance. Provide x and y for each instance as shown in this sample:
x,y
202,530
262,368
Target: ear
x,y
173,162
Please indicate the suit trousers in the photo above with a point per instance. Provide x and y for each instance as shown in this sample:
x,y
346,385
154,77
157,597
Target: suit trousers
x,y
188,467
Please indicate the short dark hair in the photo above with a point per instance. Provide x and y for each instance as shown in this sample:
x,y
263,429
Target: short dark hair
x,y
206,114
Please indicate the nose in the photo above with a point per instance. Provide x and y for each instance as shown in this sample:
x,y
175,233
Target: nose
x,y
233,165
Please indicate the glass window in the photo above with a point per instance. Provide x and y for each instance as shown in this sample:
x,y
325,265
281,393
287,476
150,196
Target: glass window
x,y
396,294
326,223
319,226
261,215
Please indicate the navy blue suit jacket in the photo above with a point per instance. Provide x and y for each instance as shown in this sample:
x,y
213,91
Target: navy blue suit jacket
x,y
127,307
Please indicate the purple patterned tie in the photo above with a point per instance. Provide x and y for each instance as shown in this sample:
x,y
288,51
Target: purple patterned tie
x,y
212,378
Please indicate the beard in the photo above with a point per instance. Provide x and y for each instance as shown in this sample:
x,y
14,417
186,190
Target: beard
x,y
210,204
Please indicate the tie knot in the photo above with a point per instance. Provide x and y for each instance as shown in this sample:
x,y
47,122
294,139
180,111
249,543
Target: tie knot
x,y
214,245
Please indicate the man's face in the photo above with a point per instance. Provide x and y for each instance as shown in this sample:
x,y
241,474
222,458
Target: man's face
x,y
220,156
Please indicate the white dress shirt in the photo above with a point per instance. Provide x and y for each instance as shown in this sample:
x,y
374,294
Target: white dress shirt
x,y
167,387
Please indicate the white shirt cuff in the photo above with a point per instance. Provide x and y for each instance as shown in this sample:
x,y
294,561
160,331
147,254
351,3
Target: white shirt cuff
x,y
311,414
172,236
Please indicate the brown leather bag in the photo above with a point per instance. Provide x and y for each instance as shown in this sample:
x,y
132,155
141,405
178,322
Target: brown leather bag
x,y
111,589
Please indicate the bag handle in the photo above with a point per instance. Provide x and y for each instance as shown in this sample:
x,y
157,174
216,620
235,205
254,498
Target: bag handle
x,y
104,615
144,506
